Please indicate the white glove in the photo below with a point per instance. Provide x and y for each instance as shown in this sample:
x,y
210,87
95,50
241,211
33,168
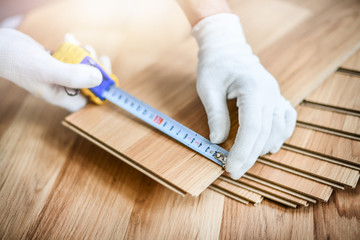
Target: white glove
x,y
228,69
26,63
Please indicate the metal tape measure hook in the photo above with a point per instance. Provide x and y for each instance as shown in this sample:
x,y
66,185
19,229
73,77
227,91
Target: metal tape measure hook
x,y
71,91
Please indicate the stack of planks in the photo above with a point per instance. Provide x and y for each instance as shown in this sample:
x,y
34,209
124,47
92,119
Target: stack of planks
x,y
301,45
322,154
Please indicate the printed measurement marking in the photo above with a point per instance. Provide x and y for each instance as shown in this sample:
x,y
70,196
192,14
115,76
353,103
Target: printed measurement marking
x,y
158,120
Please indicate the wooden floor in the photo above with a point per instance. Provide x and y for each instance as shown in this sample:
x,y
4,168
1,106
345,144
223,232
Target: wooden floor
x,y
56,185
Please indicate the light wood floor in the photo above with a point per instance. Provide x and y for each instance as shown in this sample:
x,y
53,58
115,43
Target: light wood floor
x,y
54,184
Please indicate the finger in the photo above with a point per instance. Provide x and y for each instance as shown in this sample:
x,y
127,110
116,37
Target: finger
x,y
71,39
106,63
290,121
214,101
283,126
275,139
56,95
72,75
248,132
91,50
262,139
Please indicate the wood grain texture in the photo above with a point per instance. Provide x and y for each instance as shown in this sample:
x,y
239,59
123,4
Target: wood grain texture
x,y
316,167
69,188
340,90
33,147
343,149
353,63
345,123
273,191
291,181
239,191
335,219
112,200
186,170
304,58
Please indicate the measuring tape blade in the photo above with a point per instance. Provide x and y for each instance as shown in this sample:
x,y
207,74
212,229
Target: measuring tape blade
x,y
166,125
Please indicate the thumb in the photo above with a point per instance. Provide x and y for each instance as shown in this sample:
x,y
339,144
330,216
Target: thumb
x,y
214,101
73,75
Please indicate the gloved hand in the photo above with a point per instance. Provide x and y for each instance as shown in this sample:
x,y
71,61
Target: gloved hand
x,y
228,69
26,63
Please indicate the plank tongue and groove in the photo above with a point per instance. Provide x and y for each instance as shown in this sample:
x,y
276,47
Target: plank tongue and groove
x,y
291,181
239,191
340,90
316,167
272,191
327,119
340,148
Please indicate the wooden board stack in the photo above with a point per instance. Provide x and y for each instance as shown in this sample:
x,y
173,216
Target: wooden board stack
x,y
315,40
324,151
322,154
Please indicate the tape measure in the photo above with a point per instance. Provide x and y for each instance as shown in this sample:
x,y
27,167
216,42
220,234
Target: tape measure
x,y
109,90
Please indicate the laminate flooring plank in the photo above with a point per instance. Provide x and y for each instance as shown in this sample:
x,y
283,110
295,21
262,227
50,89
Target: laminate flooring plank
x,y
296,69
337,219
353,63
239,191
33,148
340,90
228,194
258,191
291,181
316,167
274,192
343,149
188,171
327,119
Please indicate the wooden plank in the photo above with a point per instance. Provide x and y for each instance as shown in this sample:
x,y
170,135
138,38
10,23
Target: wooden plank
x,y
342,122
272,191
340,90
229,194
316,167
353,63
239,191
291,181
342,149
186,170
127,160
33,148
310,57
300,173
